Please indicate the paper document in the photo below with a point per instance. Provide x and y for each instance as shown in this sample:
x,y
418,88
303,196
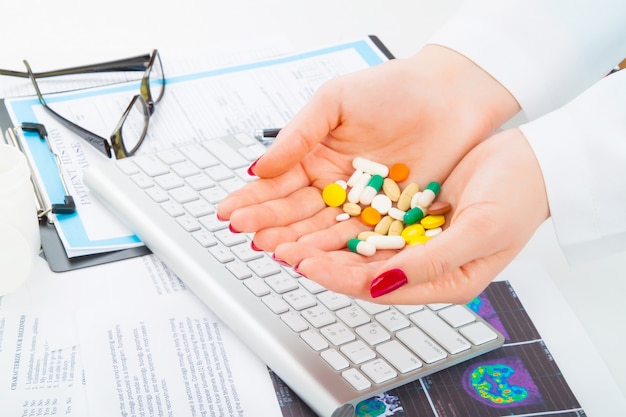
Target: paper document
x,y
195,107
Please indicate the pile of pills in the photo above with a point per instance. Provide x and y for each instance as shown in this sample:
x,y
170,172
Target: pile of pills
x,y
400,217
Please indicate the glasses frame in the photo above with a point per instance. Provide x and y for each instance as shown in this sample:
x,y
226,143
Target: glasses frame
x,y
115,145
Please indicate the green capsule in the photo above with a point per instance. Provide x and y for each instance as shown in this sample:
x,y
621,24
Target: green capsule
x,y
413,216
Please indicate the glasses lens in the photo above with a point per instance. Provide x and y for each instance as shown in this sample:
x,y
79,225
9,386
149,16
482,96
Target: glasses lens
x,y
135,125
156,80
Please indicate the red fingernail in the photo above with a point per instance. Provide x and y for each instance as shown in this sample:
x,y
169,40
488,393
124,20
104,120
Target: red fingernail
x,y
251,167
220,218
255,247
232,229
387,282
297,269
280,261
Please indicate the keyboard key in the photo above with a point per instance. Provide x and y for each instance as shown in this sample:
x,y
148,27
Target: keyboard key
x,y
142,180
221,253
399,356
373,333
337,334
437,328
183,194
214,194
392,320
422,345
294,321
127,166
225,153
199,182
157,194
355,378
168,181
334,359
219,173
245,252
264,266
171,156
299,299
457,316
232,184
353,316
334,301
172,208
204,237
379,371
229,238
372,308
212,223
185,169
358,352
478,333
199,208
239,270
189,223
314,340
275,303
318,316
151,165
199,155
257,286
280,282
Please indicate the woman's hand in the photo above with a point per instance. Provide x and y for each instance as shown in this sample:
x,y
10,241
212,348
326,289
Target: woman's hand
x,y
498,199
427,112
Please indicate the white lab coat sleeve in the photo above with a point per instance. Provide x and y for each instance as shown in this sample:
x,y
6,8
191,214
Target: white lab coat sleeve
x,y
545,52
581,149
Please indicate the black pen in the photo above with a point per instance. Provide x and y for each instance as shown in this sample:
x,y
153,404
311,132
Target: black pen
x,y
266,136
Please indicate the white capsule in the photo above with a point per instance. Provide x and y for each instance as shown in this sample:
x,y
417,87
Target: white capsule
x,y
370,167
367,195
361,247
387,242
426,198
433,232
415,199
354,177
382,203
342,183
355,193
342,217
396,213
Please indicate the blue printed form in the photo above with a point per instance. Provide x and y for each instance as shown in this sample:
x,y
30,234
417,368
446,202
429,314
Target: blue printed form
x,y
196,106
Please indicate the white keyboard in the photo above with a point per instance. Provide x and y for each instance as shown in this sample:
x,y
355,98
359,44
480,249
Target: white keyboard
x,y
332,350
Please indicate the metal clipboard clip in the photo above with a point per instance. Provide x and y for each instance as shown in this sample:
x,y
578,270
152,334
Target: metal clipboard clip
x,y
68,206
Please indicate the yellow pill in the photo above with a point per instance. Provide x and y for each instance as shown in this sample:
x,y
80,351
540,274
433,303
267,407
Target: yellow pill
x,y
365,234
383,225
352,209
391,189
396,228
433,221
404,202
334,195
419,240
370,216
411,232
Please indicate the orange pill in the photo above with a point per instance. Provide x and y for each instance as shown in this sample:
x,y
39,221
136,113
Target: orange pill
x,y
370,216
399,172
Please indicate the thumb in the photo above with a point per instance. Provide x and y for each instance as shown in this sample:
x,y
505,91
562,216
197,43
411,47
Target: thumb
x,y
300,135
448,268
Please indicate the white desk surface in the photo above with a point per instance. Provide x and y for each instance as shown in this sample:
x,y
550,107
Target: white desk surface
x,y
55,35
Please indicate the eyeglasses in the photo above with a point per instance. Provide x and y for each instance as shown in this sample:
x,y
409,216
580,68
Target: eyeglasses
x,y
132,127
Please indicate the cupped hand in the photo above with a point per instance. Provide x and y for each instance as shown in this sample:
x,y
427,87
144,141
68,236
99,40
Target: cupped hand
x,y
498,199
427,112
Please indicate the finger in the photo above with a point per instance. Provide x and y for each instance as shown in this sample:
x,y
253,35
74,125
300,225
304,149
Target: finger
x,y
305,130
262,190
448,268
299,205
268,239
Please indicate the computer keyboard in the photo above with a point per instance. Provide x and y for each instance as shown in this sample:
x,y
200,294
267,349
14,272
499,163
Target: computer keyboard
x,y
332,350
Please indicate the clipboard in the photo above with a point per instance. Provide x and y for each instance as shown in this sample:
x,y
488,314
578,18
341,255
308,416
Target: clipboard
x,y
52,247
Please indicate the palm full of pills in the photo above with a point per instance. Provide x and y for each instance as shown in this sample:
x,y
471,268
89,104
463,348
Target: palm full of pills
x,y
400,217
